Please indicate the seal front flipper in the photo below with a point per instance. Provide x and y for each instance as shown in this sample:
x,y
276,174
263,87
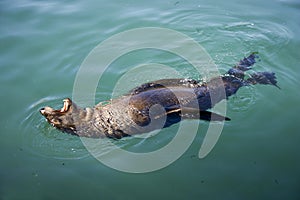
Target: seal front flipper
x,y
210,116
194,113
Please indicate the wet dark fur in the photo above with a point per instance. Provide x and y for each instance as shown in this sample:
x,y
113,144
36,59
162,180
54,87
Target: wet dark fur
x,y
156,104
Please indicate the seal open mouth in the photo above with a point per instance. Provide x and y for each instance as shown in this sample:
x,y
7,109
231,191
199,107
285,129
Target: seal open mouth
x,y
61,118
48,110
67,105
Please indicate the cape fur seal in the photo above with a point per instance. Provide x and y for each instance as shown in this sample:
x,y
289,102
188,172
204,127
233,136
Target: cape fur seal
x,y
155,105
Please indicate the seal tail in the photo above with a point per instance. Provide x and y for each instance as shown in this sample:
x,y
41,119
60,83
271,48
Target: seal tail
x,y
265,78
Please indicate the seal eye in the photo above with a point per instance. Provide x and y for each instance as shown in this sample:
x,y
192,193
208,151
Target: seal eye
x,y
56,121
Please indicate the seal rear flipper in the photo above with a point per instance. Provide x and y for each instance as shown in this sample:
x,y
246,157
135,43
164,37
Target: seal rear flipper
x,y
246,63
265,78
242,66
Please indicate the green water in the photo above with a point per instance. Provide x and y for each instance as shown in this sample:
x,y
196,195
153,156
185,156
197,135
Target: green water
x,y
42,45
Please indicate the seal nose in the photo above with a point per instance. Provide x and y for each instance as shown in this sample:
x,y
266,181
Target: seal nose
x,y
42,111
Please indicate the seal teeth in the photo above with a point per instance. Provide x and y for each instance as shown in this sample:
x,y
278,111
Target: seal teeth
x,y
66,105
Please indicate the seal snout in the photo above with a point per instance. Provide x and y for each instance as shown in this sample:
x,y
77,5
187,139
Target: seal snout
x,y
45,111
42,111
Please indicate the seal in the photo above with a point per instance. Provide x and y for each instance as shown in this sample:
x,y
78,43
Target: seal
x,y
155,105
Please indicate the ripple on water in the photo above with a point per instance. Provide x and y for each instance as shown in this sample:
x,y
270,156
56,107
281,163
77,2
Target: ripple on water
x,y
243,100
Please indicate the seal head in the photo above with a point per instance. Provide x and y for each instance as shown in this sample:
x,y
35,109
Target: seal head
x,y
61,119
